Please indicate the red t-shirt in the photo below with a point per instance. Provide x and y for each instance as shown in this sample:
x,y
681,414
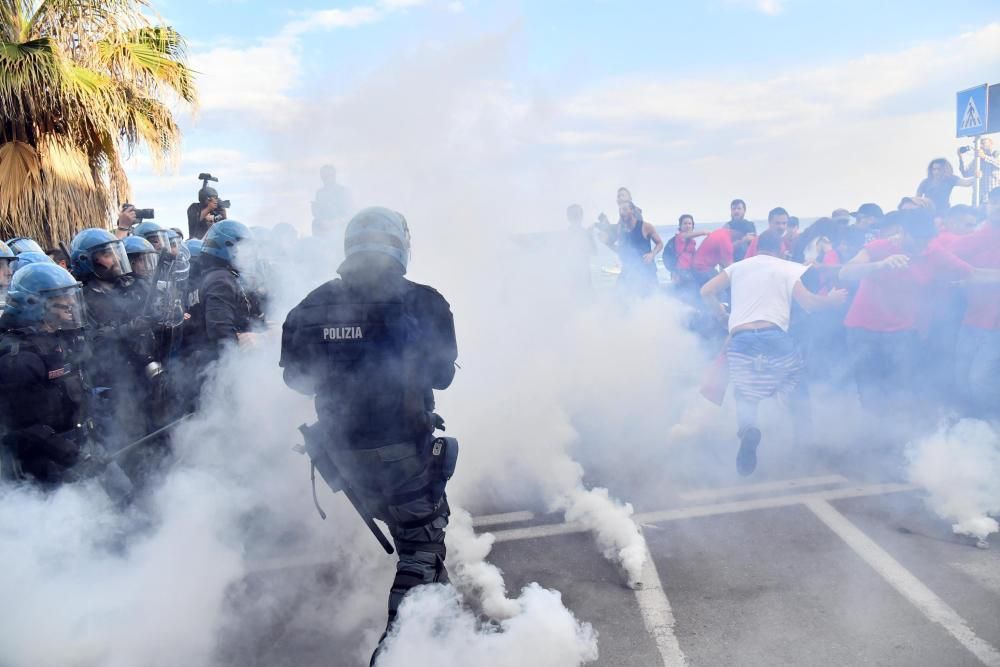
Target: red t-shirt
x,y
752,249
717,248
981,249
945,239
686,249
892,300
828,281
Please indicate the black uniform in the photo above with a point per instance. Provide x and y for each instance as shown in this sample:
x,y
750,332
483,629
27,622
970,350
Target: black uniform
x,y
124,346
372,346
220,309
43,401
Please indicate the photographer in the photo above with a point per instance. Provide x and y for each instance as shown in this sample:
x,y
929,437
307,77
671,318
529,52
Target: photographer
x,y
126,220
128,217
989,166
208,211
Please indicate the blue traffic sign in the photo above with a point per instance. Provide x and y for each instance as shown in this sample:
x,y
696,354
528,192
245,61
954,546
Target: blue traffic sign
x,y
970,120
993,122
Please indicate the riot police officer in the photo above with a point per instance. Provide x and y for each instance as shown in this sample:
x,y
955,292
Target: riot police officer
x,y
118,329
221,308
142,257
20,244
154,233
7,258
43,394
371,347
29,257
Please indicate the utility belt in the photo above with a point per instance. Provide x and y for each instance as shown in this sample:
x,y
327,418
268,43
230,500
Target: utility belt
x,y
422,467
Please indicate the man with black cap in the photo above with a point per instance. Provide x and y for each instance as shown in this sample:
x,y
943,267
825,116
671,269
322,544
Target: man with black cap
x,y
867,219
204,213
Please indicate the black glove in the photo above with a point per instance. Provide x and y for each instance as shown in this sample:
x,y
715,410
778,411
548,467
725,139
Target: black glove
x,y
41,442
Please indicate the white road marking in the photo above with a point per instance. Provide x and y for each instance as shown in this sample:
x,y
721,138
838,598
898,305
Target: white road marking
x,y
500,519
552,529
657,615
702,495
923,598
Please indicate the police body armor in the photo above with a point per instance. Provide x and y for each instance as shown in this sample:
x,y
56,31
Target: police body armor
x,y
43,403
364,349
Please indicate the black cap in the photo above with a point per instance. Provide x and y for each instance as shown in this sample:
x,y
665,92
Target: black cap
x,y
869,209
206,193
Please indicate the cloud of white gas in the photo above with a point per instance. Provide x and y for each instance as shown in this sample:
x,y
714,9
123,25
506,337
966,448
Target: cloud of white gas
x,y
959,466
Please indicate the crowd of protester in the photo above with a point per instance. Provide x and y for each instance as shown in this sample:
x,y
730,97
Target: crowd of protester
x,y
901,306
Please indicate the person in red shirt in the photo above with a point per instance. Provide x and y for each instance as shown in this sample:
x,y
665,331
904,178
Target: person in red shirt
x,y
977,365
684,247
717,249
884,321
777,221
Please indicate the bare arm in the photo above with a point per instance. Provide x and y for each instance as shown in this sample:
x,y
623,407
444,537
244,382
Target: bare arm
x,y
710,291
653,234
965,182
692,235
862,265
811,301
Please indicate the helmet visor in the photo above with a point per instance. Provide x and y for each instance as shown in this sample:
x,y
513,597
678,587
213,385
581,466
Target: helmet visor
x,y
25,245
63,309
144,264
6,271
160,240
110,261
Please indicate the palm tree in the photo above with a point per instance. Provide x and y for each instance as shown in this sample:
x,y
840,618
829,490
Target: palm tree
x,y
82,83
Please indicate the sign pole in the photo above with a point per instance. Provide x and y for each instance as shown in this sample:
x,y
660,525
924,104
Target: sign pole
x,y
976,195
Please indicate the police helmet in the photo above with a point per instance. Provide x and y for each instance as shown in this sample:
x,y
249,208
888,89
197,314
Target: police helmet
x,y
378,230
6,269
221,239
20,244
97,252
207,193
153,233
174,240
141,255
45,294
194,247
28,257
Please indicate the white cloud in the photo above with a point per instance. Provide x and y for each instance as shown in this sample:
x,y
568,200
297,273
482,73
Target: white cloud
x,y
800,97
809,138
260,79
769,7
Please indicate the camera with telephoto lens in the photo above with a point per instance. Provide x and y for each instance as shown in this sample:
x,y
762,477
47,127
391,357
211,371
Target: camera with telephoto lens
x,y
144,214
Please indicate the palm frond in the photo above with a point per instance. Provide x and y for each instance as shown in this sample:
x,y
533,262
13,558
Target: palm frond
x,y
20,178
82,82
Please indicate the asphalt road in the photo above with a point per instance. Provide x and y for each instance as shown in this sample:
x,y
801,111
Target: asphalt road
x,y
814,570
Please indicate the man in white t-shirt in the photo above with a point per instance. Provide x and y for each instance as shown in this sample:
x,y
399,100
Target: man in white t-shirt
x,y
763,359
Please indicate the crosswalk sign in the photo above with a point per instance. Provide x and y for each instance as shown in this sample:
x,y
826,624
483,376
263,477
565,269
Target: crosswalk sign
x,y
971,112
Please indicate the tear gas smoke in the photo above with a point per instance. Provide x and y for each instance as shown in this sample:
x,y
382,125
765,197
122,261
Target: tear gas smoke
x,y
959,466
434,625
477,579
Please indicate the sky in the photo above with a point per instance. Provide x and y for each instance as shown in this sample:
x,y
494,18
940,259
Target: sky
x,y
807,105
